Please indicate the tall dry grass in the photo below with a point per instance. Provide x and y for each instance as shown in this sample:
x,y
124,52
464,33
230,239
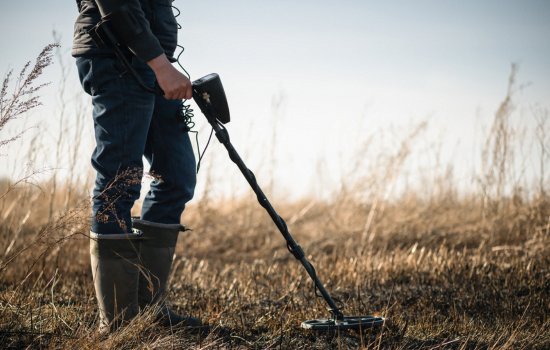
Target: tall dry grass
x,y
451,270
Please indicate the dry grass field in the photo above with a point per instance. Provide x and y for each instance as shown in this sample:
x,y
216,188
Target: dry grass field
x,y
450,270
446,276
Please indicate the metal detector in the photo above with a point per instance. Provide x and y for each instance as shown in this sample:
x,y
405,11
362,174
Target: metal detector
x,y
209,95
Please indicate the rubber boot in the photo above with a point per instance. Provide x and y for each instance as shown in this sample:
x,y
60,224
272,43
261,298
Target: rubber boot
x,y
157,252
115,270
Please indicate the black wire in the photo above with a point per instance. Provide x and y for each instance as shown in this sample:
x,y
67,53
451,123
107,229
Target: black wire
x,y
204,151
315,289
178,60
181,47
185,113
176,16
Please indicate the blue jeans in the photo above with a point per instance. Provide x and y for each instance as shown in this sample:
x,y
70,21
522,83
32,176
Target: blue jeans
x,y
130,123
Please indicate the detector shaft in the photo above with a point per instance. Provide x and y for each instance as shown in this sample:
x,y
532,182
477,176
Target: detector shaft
x,y
293,247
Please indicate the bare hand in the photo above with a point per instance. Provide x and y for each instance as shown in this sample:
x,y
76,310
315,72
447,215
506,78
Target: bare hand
x,y
176,86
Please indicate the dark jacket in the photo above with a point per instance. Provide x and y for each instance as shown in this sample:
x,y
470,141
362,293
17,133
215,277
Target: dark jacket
x,y
155,16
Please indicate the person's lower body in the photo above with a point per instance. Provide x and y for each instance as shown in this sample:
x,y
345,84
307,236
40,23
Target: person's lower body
x,y
129,124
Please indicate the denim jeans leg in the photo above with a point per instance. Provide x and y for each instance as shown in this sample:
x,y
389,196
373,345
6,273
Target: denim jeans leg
x,y
122,113
171,156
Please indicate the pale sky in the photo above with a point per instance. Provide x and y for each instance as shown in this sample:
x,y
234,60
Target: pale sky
x,y
341,65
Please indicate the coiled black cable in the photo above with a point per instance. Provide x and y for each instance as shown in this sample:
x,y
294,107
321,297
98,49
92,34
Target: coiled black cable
x,y
185,113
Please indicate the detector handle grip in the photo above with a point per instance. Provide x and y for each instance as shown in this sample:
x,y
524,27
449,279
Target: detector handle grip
x,y
209,95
